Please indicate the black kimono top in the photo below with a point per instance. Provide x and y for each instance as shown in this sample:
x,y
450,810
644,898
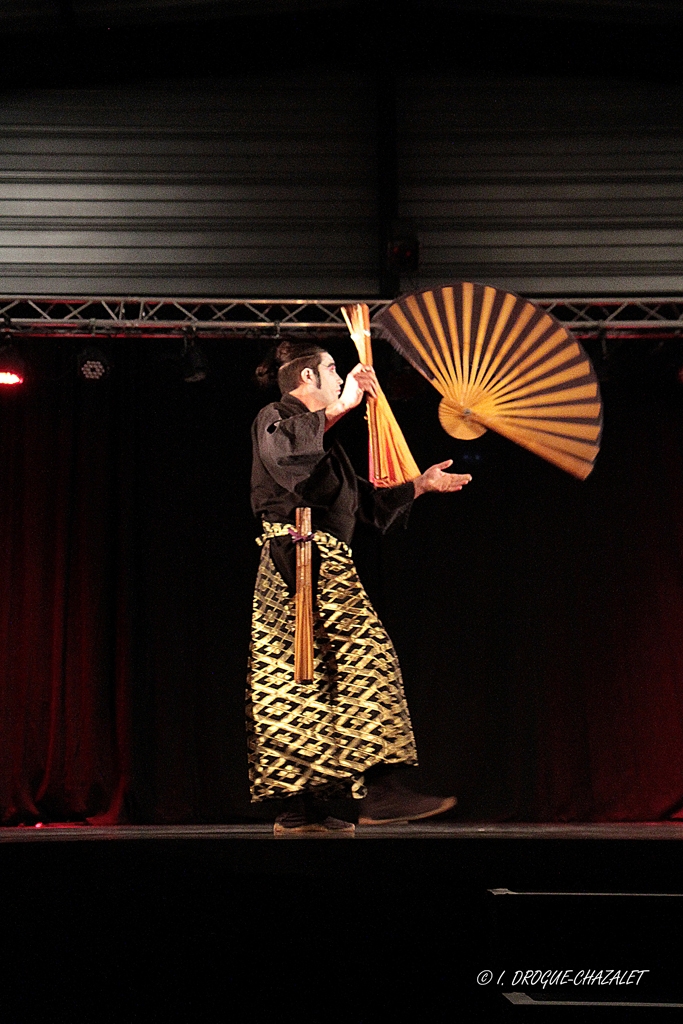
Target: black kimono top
x,y
296,464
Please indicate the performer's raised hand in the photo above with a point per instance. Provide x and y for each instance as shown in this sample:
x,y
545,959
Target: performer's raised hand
x,y
435,479
361,380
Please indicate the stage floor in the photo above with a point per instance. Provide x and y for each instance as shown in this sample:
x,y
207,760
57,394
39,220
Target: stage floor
x,y
435,830
202,918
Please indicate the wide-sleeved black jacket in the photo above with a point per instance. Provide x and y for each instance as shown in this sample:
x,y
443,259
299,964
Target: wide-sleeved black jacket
x,y
296,463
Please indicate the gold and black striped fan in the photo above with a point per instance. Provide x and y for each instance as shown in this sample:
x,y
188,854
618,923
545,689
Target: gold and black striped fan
x,y
502,363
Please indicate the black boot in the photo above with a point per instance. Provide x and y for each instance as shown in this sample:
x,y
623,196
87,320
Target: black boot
x,y
308,815
389,801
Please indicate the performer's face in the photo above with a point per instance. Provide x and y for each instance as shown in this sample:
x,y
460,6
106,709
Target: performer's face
x,y
330,381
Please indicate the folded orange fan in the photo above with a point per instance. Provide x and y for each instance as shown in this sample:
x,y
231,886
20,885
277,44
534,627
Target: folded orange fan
x,y
502,363
390,461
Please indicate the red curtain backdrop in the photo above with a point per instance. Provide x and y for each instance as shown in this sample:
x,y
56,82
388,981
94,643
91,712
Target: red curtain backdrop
x,y
539,620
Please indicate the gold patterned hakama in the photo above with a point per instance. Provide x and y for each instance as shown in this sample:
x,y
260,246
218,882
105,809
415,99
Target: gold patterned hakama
x,y
322,735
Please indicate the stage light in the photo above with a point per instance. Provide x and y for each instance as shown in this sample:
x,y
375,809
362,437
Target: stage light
x,y
12,367
93,364
195,365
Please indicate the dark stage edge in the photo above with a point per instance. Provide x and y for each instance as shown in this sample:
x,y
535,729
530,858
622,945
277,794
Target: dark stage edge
x,y
204,924
622,831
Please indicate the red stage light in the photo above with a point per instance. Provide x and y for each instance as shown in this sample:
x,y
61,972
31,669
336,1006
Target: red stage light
x,y
12,367
10,378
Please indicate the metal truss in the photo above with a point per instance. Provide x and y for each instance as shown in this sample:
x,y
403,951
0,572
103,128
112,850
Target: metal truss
x,y
618,318
173,318
99,317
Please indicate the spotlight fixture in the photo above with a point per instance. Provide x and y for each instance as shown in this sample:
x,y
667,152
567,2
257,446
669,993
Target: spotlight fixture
x,y
12,367
195,365
93,364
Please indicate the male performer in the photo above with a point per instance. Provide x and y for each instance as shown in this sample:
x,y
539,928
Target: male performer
x,y
342,733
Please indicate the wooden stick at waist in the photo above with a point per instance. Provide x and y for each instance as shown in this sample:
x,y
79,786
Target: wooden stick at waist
x,y
303,629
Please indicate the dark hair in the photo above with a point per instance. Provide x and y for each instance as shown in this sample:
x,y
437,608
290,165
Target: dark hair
x,y
285,363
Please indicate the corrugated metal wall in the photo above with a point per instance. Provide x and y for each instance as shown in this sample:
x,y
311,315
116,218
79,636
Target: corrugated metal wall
x,y
545,186
243,188
268,187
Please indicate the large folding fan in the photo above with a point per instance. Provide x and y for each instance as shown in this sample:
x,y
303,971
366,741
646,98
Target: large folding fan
x,y
502,363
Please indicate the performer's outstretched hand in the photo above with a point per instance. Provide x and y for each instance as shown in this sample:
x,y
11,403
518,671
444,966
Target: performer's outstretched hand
x,y
434,479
